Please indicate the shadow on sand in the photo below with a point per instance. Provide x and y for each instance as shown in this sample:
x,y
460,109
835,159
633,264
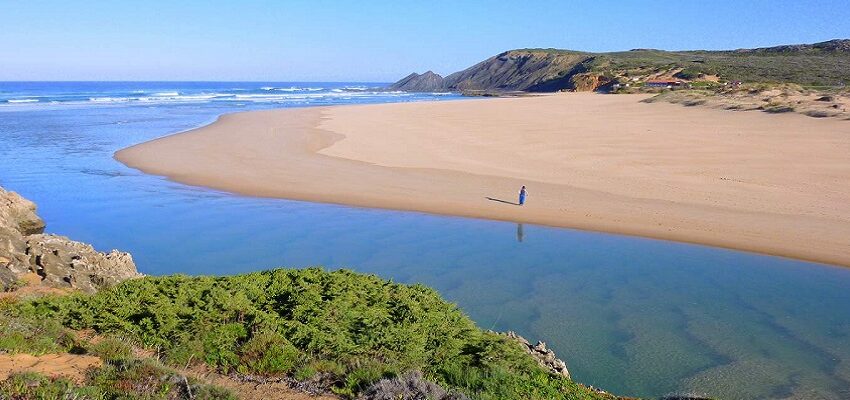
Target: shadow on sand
x,y
501,201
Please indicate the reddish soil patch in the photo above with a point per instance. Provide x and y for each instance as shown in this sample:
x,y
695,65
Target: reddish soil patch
x,y
69,366
32,288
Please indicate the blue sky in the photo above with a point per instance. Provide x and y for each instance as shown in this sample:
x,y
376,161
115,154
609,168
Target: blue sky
x,y
369,40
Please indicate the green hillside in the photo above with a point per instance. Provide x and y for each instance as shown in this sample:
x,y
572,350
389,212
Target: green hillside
x,y
548,70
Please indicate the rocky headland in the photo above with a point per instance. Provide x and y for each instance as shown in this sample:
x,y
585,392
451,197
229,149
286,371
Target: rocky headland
x,y
824,66
427,82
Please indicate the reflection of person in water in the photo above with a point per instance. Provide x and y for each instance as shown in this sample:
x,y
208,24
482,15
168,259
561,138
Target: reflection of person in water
x,y
520,233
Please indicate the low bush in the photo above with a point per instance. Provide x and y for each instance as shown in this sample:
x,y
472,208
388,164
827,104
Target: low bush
x,y
111,349
36,386
126,380
33,335
147,379
357,329
411,385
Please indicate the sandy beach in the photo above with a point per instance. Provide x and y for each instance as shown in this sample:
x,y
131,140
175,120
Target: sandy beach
x,y
775,184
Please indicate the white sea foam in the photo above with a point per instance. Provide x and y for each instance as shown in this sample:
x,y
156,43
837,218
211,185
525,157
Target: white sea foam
x,y
291,89
252,96
181,97
271,95
109,99
261,96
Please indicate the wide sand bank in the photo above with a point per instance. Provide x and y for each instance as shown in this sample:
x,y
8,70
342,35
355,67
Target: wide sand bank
x,y
776,184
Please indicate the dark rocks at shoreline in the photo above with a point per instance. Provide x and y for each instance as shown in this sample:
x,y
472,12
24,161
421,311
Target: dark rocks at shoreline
x,y
544,355
28,255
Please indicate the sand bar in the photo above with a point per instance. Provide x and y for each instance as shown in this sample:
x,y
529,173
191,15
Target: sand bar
x,y
775,184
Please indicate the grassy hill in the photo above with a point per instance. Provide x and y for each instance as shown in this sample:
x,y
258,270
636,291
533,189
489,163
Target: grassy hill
x,y
548,70
822,64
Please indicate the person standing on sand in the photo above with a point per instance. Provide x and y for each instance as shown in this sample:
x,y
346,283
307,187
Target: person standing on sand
x,y
522,194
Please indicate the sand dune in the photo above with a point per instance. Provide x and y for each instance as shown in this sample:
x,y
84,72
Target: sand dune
x,y
776,184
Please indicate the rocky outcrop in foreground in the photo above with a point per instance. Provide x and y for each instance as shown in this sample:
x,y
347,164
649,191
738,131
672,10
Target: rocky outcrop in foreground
x,y
544,356
18,213
56,261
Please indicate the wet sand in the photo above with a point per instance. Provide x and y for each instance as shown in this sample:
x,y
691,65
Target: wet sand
x,y
775,184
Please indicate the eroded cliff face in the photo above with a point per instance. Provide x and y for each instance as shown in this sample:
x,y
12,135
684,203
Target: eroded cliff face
x,y
521,71
56,261
589,82
511,71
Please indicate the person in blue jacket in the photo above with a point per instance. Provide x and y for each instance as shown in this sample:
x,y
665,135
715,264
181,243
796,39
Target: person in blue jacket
x,y
522,194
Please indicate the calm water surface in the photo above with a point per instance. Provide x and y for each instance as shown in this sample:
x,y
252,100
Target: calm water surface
x,y
634,316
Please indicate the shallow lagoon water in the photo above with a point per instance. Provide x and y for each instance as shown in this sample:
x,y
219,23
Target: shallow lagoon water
x,y
634,316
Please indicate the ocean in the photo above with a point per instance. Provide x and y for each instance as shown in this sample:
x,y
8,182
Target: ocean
x,y
634,316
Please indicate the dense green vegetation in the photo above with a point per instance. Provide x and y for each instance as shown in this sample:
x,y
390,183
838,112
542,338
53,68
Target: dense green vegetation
x,y
820,64
817,68
346,329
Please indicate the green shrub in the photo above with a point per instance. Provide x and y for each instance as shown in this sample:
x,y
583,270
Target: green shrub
x,y
305,372
36,386
110,349
147,379
328,367
358,328
270,353
221,345
33,335
363,373
189,352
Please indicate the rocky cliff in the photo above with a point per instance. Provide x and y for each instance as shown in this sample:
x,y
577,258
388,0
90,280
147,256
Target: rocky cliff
x,y
27,256
522,70
550,70
511,71
427,82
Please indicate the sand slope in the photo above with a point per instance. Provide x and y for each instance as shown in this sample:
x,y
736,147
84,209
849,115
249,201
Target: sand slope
x,y
777,184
